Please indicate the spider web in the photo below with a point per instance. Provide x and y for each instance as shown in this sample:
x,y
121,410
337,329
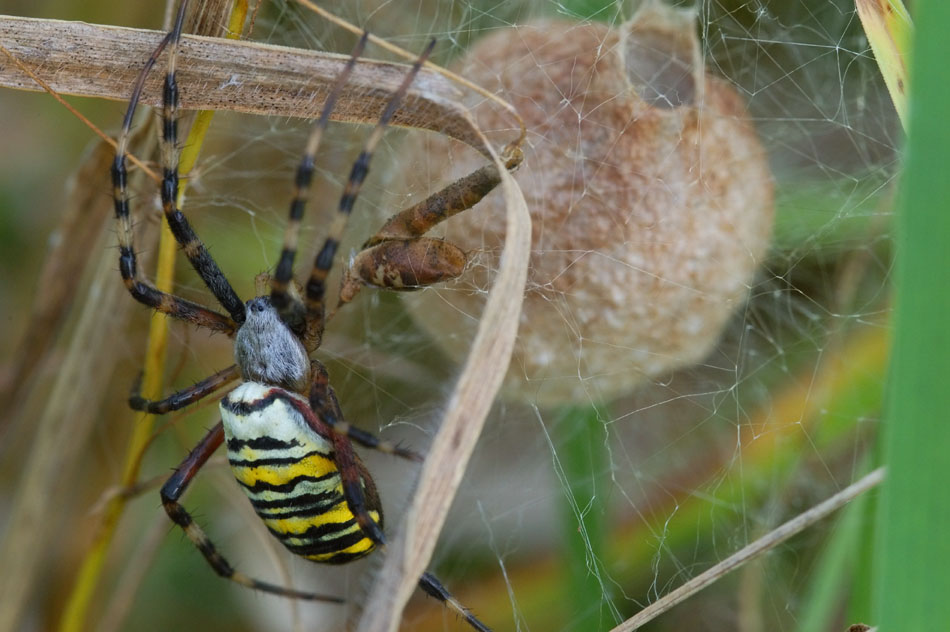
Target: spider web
x,y
624,497
666,479
576,514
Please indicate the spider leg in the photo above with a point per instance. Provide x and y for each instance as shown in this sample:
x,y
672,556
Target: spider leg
x,y
324,403
291,308
176,486
357,484
358,496
358,487
402,265
316,285
431,586
398,257
359,490
141,290
458,196
184,397
194,249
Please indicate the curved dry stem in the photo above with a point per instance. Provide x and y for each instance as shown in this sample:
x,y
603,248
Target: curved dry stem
x,y
409,553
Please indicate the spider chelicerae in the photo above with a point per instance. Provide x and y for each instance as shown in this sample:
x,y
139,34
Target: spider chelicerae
x,y
287,442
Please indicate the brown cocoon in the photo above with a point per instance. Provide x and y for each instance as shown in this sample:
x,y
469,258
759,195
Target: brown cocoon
x,y
650,194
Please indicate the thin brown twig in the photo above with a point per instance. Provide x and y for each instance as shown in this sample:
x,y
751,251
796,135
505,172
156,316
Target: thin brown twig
x,y
445,72
764,544
79,115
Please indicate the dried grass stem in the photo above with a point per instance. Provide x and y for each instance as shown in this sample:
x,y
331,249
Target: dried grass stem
x,y
91,60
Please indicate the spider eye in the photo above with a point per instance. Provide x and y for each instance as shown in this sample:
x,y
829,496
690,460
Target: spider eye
x,y
258,304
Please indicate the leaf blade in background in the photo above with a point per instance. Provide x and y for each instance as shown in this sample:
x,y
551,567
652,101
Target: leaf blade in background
x,y
913,577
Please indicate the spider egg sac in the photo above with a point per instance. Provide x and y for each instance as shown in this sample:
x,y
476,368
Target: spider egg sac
x,y
650,195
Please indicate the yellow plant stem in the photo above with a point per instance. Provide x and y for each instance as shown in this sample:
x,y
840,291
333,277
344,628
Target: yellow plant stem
x,y
87,581
91,570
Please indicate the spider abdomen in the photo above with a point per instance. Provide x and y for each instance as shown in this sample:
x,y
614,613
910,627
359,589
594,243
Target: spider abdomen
x,y
288,472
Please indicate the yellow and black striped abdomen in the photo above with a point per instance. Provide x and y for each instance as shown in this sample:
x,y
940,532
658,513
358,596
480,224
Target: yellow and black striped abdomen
x,y
287,470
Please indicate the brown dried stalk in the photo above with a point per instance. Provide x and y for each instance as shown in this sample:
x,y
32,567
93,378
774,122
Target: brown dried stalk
x,y
93,60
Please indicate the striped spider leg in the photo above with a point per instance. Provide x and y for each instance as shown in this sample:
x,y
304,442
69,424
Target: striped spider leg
x,y
199,257
324,403
288,444
184,397
140,289
400,257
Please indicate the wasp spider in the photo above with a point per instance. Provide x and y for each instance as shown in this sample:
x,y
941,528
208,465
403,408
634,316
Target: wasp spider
x,y
287,442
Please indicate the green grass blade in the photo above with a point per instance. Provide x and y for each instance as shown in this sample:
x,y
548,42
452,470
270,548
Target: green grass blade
x,y
913,574
582,454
